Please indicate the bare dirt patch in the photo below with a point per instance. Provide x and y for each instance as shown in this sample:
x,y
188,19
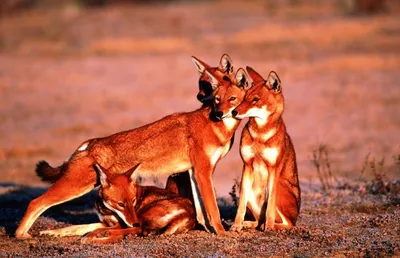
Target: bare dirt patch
x,y
341,223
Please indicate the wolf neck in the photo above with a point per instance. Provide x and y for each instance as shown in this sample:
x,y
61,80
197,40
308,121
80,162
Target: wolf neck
x,y
225,129
265,129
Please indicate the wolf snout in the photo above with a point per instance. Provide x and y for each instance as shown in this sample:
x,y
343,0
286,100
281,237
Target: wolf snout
x,y
219,114
234,113
200,97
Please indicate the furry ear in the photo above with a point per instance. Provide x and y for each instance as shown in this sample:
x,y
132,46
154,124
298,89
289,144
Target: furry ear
x,y
241,79
102,175
255,77
225,64
132,173
212,80
200,65
273,82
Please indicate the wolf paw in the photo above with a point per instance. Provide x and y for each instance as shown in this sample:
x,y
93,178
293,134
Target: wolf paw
x,y
23,235
87,240
236,228
49,233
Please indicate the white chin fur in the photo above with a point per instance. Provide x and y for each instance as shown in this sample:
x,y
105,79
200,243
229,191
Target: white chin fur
x,y
261,113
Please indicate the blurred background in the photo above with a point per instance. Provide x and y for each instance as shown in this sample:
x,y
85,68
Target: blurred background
x,y
77,69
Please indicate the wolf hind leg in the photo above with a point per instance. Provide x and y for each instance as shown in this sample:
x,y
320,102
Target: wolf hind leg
x,y
79,179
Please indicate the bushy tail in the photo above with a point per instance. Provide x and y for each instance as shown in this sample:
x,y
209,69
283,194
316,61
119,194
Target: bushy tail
x,y
47,173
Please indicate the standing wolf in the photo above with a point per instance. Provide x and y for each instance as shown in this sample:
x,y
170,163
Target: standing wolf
x,y
192,141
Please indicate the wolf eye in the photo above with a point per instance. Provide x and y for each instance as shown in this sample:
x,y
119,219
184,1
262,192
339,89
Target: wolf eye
x,y
217,99
255,99
121,204
232,98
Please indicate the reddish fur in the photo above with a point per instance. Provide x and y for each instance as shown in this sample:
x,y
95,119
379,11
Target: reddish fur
x,y
180,183
282,174
152,204
47,173
149,145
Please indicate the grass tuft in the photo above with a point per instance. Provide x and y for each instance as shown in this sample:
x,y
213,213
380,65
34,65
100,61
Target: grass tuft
x,y
234,192
380,183
322,163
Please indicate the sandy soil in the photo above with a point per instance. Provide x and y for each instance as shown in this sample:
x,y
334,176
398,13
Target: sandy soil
x,y
344,223
68,74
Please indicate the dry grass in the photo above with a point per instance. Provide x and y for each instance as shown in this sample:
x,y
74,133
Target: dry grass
x,y
380,183
235,191
322,164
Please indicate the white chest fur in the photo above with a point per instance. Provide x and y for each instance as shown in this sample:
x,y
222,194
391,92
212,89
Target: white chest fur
x,y
270,155
230,123
214,154
260,170
247,152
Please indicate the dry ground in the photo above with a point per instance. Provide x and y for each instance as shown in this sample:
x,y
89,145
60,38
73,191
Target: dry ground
x,y
68,74
343,223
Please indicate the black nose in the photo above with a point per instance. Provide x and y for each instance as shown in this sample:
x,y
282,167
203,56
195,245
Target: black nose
x,y
219,114
234,112
200,97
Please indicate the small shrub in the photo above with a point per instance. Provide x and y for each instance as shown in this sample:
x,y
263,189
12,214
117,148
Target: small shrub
x,y
380,183
322,163
233,192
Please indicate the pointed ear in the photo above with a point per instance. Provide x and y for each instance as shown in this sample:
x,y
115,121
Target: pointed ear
x,y
273,82
241,79
225,64
255,77
102,175
200,65
132,173
211,78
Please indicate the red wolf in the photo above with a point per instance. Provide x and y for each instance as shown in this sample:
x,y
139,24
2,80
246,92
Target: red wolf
x,y
192,141
269,158
180,183
124,207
